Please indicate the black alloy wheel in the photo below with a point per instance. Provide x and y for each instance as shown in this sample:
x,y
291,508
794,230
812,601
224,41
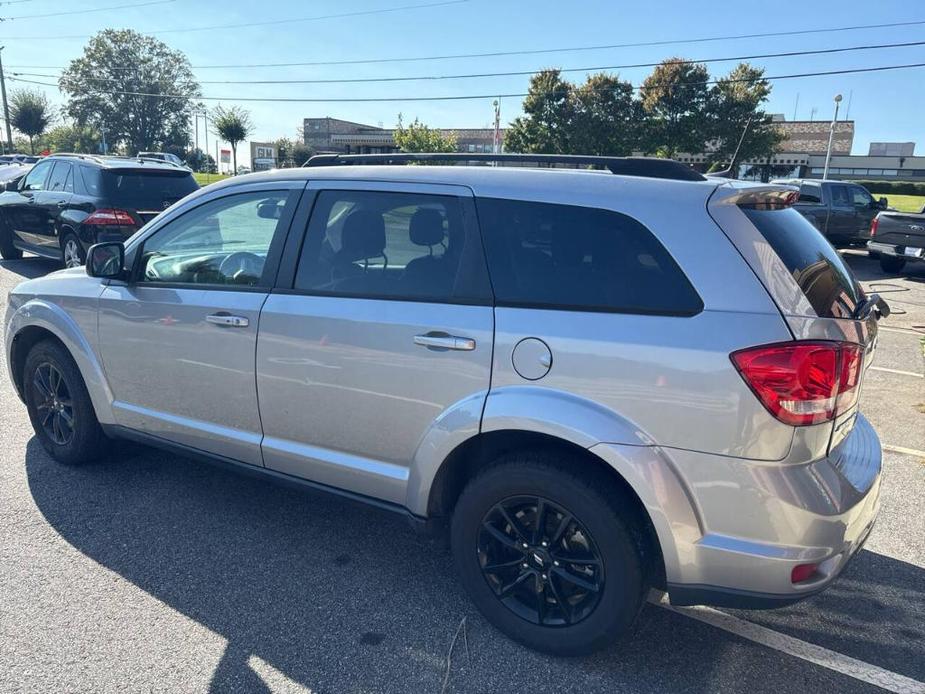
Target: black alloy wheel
x,y
541,563
54,404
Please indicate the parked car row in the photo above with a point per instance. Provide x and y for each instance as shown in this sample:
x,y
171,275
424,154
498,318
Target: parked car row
x,y
601,382
68,202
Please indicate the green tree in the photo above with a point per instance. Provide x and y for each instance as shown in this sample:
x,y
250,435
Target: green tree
x,y
417,137
132,87
677,106
738,117
546,126
604,117
30,114
201,162
73,138
233,125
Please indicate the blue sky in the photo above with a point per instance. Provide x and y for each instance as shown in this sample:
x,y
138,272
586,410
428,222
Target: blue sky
x,y
886,106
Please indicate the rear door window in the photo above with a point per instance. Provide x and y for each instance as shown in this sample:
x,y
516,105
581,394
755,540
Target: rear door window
x,y
59,176
146,190
810,193
390,245
580,258
829,286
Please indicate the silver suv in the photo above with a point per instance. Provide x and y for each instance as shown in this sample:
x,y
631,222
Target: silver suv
x,y
602,381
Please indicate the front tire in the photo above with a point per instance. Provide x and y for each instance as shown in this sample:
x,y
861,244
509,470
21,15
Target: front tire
x,y
892,264
548,555
59,405
7,250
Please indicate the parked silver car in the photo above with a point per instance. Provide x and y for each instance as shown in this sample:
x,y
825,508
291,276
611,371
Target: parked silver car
x,y
603,382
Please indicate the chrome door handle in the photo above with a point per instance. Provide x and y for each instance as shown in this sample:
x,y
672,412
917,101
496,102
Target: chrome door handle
x,y
227,320
444,341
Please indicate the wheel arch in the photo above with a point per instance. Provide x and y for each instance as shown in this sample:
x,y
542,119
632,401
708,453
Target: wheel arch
x,y
37,320
480,451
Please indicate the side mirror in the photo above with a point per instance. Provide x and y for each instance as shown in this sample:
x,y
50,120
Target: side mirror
x,y
106,260
882,203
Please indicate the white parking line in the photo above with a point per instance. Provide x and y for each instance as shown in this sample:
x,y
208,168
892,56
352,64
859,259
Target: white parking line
x,y
903,449
902,331
897,371
810,652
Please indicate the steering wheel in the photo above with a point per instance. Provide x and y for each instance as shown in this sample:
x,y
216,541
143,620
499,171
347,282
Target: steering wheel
x,y
242,267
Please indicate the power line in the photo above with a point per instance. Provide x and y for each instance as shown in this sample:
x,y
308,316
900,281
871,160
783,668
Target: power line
x,y
272,22
88,11
464,97
539,51
520,73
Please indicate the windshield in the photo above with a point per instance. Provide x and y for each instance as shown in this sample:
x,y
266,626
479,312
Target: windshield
x,y
828,283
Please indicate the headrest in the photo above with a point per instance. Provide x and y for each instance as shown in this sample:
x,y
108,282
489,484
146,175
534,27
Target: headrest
x,y
426,228
363,235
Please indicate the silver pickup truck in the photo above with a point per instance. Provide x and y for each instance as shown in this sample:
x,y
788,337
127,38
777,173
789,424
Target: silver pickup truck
x,y
897,237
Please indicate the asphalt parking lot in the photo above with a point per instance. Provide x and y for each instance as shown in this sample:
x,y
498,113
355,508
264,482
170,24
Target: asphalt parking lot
x,y
150,572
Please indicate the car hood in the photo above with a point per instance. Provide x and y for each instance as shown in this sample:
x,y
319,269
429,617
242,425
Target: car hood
x,y
71,281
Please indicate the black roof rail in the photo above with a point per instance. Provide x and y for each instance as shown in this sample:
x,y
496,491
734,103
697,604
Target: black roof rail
x,y
649,167
76,155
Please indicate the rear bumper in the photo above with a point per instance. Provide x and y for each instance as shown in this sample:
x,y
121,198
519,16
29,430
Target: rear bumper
x,y
760,520
894,250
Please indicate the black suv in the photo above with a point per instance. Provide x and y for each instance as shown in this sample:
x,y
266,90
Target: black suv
x,y
68,202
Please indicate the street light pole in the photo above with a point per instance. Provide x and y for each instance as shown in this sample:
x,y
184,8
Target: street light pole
x,y
828,150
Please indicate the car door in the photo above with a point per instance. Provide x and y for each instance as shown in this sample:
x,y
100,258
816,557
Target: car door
x,y
178,340
865,209
51,202
842,218
23,213
380,337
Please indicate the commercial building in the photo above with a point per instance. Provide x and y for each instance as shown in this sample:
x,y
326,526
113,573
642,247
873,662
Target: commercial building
x,y
346,137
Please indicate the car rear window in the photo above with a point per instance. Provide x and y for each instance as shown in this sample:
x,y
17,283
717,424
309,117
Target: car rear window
x,y
828,283
140,190
580,258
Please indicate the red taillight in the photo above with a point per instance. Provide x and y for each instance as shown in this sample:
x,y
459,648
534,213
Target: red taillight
x,y
803,383
107,217
802,572
874,223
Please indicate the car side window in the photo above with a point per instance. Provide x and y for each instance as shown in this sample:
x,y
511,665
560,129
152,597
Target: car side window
x,y
221,242
69,183
810,193
840,196
861,197
59,176
373,244
35,179
580,258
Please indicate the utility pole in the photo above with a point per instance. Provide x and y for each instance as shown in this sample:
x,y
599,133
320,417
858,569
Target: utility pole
x,y
496,137
828,150
6,107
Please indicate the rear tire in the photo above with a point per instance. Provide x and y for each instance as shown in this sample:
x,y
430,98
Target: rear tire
x,y
72,252
892,264
59,405
7,250
555,606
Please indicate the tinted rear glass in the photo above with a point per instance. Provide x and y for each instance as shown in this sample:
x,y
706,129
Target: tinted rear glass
x,y
145,190
828,283
580,258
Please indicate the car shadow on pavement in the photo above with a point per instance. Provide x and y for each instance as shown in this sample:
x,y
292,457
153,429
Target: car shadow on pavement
x,y
338,596
30,268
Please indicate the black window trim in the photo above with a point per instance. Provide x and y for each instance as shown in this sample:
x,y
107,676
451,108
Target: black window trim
x,y
285,283
271,265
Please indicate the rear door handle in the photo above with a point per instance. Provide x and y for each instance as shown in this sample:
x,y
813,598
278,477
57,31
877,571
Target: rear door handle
x,y
227,320
62,203
445,341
